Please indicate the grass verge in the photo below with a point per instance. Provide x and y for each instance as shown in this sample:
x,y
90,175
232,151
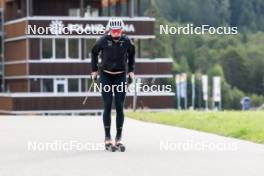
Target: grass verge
x,y
247,125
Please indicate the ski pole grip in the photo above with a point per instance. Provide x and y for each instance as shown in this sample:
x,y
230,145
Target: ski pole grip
x,y
129,80
94,78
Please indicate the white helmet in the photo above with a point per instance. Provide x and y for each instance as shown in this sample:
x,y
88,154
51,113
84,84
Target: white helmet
x,y
115,23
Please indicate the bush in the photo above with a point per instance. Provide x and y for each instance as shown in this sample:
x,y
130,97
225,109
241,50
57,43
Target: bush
x,y
256,101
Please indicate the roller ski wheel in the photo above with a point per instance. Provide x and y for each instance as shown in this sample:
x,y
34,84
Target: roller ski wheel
x,y
120,147
110,147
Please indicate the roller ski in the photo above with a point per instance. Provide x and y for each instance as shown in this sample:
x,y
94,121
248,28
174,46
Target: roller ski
x,y
109,146
119,146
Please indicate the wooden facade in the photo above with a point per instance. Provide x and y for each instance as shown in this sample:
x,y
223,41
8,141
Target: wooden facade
x,y
74,103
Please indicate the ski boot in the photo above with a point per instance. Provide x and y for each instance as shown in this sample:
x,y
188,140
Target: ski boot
x,y
109,145
119,146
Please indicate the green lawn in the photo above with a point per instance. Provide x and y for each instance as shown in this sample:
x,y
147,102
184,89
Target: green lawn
x,y
248,125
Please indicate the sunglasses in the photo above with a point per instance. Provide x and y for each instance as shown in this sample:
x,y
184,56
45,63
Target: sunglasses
x,y
116,31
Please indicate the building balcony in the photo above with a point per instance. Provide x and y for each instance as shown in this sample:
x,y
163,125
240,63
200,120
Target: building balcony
x,y
41,103
159,67
82,8
41,27
28,76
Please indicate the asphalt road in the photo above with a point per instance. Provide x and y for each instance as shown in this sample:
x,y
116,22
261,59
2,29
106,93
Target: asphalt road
x,y
72,146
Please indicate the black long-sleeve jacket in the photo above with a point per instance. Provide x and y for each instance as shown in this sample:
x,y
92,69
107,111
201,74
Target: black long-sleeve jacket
x,y
116,56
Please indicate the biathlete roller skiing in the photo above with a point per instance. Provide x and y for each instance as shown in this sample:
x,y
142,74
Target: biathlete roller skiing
x,y
117,54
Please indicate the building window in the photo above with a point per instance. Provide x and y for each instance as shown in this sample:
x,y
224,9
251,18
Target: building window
x,y
74,12
113,8
35,85
73,85
124,7
89,43
60,48
104,5
14,9
73,48
138,7
54,7
91,12
47,48
92,8
47,85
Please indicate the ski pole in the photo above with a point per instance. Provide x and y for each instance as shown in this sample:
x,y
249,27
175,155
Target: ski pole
x,y
86,97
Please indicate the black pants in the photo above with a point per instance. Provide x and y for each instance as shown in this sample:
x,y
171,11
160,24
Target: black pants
x,y
109,80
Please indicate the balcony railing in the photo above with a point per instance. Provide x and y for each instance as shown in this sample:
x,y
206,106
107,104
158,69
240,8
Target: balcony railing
x,y
17,9
136,27
17,103
160,67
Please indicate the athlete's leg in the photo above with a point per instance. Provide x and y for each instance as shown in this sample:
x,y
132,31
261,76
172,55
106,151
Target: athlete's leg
x,y
119,104
106,80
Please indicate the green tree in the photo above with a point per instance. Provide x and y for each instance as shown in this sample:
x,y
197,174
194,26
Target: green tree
x,y
235,70
161,46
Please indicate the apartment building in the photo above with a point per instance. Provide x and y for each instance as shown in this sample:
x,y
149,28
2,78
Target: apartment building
x,y
50,72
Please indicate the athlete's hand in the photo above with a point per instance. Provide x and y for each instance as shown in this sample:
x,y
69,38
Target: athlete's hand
x,y
94,76
131,75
